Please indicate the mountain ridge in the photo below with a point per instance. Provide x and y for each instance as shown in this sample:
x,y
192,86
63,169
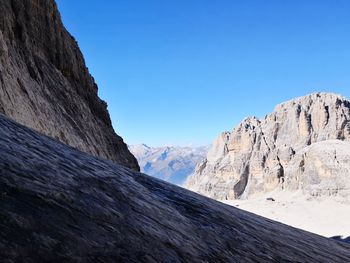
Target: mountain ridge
x,y
170,163
257,156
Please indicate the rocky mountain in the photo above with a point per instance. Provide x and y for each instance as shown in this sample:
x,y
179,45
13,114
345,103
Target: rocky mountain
x,y
45,84
58,204
169,163
303,145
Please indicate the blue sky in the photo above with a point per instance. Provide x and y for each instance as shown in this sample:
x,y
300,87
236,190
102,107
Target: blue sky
x,y
181,71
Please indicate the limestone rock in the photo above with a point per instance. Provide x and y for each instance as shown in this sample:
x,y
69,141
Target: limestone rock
x,y
45,85
61,205
261,155
323,168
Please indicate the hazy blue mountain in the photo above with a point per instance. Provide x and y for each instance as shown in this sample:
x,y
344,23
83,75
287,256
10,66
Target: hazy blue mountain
x,y
170,163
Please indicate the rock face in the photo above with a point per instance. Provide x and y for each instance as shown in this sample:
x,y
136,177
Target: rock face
x,y
303,144
45,85
321,169
58,204
169,163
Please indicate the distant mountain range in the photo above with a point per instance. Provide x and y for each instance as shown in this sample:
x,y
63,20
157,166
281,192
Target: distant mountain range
x,y
170,163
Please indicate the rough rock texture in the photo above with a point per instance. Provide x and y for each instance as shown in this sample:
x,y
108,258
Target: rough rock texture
x,y
170,163
45,85
61,205
323,168
340,238
261,155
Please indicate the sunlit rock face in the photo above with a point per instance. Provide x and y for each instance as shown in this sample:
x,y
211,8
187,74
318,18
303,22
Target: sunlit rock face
x,y
58,204
321,169
45,84
303,144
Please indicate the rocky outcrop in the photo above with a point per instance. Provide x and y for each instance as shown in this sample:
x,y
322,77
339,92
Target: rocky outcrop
x,y
287,150
170,163
323,168
58,204
45,85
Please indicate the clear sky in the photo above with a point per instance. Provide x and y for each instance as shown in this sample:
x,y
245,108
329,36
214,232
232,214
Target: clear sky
x,y
177,72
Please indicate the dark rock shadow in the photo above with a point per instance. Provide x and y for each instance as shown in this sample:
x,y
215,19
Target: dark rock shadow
x,y
342,239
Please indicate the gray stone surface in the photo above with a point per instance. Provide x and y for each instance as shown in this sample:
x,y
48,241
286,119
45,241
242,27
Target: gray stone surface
x,y
259,156
58,204
321,169
45,85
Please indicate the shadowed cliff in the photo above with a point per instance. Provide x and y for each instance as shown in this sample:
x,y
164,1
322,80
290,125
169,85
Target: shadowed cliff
x,y
45,84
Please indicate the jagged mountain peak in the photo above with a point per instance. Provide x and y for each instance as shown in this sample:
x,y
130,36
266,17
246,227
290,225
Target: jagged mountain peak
x,y
313,98
255,157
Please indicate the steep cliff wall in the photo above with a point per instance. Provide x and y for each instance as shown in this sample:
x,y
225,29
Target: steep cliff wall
x,y
45,85
280,151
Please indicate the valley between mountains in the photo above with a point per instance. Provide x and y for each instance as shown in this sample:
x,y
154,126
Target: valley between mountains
x,y
292,166
72,191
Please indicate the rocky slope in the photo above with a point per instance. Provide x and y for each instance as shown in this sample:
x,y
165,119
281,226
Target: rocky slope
x,y
169,163
58,204
304,144
45,85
